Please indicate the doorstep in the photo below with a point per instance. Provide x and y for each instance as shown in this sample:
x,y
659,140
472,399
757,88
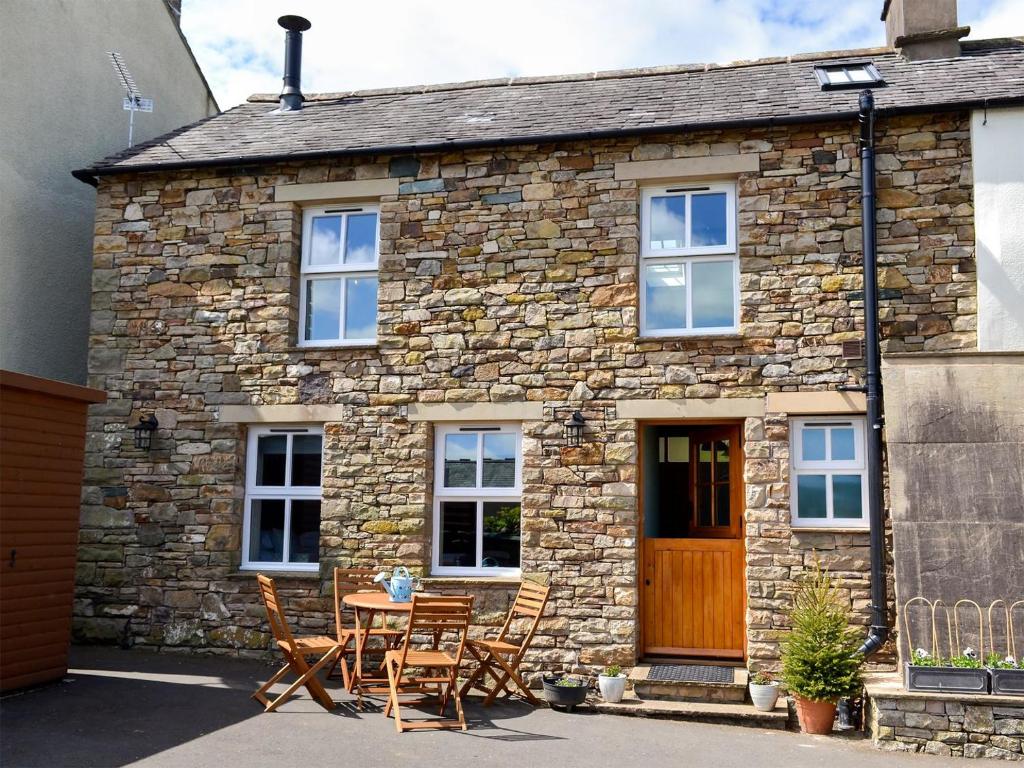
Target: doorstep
x,y
733,691
698,711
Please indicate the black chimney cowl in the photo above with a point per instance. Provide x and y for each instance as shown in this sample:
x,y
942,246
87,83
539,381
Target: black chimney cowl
x,y
291,92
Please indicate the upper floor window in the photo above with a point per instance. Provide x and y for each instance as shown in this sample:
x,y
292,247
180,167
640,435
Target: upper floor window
x,y
829,472
850,75
477,500
338,292
689,270
282,498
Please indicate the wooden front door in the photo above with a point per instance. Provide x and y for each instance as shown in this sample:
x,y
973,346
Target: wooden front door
x,y
693,589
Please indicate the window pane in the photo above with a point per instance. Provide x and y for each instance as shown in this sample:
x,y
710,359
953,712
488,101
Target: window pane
x,y
499,461
326,245
713,290
665,300
810,496
460,461
668,222
679,449
704,504
846,497
842,444
306,452
304,541
270,459
813,444
704,463
722,461
458,534
837,76
501,534
323,309
361,308
859,75
722,505
361,239
266,531
708,219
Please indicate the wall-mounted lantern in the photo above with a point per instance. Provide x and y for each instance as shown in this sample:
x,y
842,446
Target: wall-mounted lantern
x,y
574,428
144,432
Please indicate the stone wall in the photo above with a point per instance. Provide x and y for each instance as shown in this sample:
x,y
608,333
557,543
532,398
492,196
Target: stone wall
x,y
505,275
946,724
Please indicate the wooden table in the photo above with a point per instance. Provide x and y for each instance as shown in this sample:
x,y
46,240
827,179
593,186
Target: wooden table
x,y
365,607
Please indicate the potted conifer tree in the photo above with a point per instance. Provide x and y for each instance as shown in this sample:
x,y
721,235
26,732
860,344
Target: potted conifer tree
x,y
820,659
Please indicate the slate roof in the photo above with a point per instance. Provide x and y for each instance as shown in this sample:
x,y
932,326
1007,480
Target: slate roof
x,y
524,110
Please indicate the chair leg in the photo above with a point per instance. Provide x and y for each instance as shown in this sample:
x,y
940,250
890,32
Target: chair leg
x,y
260,694
393,699
307,678
511,668
477,673
458,699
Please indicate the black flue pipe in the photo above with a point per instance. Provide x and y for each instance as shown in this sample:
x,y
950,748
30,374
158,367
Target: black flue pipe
x,y
291,92
879,631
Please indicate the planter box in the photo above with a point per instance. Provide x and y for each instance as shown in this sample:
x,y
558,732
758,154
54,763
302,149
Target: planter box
x,y
946,679
1007,682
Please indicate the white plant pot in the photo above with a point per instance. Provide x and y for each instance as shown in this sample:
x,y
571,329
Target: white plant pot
x,y
764,696
612,688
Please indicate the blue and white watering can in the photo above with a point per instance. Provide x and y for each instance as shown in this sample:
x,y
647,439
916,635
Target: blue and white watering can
x,y
401,585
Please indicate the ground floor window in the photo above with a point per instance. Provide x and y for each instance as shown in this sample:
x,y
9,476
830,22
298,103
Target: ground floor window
x,y
477,500
829,474
282,498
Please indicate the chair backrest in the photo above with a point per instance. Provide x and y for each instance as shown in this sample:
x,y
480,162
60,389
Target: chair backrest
x,y
275,613
437,616
347,581
529,604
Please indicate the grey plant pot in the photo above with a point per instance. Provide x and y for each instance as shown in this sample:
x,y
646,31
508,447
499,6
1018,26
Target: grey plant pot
x,y
563,696
1007,682
946,679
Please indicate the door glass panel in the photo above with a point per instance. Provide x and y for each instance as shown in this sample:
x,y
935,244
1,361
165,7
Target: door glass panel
x,y
499,461
458,534
266,533
304,541
722,461
722,505
679,449
846,496
665,296
810,498
668,222
306,451
704,463
270,459
460,461
704,505
501,534
813,444
842,444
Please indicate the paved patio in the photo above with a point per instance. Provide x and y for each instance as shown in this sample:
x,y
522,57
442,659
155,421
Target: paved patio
x,y
119,708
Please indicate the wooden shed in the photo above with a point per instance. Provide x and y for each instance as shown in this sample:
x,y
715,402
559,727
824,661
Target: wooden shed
x,y
42,444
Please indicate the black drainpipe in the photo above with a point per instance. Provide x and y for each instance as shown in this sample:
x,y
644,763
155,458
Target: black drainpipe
x,y
291,92
879,631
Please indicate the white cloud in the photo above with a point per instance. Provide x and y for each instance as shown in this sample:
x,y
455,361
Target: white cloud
x,y
395,42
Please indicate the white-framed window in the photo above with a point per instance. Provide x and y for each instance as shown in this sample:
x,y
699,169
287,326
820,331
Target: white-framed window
x,y
338,286
689,268
477,500
828,484
283,470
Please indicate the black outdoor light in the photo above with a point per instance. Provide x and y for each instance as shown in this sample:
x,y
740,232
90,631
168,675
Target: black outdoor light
x,y
144,432
574,428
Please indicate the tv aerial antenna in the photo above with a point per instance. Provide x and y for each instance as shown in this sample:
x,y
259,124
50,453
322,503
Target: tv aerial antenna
x,y
133,100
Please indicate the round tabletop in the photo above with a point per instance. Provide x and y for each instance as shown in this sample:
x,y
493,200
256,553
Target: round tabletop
x,y
375,601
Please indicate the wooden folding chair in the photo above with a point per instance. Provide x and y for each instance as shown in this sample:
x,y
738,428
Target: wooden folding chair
x,y
295,651
501,659
436,617
347,581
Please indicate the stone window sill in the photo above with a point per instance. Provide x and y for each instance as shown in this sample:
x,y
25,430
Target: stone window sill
x,y
694,337
827,529
471,581
332,348
301,575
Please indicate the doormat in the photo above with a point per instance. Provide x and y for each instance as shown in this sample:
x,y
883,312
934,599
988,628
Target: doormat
x,y
690,673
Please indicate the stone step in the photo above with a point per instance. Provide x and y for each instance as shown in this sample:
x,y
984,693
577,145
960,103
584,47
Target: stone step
x,y
734,692
698,711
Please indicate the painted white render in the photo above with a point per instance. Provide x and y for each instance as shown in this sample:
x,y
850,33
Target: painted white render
x,y
997,144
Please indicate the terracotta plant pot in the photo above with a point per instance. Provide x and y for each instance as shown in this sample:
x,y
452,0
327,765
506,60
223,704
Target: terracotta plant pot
x,y
815,716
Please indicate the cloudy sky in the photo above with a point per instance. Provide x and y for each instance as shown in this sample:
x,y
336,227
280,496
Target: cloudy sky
x,y
356,45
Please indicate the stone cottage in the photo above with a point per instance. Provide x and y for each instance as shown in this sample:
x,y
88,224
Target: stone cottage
x,y
589,330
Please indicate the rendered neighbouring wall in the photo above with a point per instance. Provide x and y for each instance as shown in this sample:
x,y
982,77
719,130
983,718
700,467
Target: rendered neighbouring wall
x,y
955,436
999,225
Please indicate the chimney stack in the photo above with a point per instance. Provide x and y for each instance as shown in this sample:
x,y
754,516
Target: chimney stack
x,y
923,29
291,92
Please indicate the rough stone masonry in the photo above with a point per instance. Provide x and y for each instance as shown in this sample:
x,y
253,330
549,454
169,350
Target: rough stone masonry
x,y
505,275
